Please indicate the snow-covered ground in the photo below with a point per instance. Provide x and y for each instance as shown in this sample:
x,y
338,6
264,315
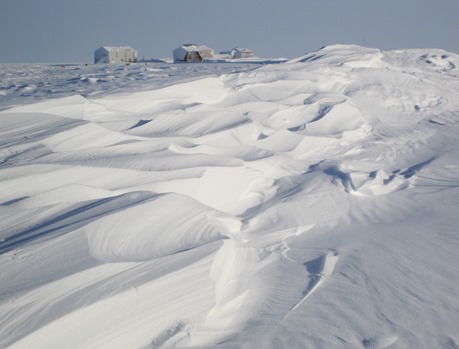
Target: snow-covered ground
x,y
28,83
309,204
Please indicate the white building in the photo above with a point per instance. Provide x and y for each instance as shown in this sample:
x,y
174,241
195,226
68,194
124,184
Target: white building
x,y
115,54
242,53
192,53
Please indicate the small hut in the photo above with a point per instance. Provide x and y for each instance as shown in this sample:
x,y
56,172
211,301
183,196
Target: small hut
x,y
242,53
115,54
192,53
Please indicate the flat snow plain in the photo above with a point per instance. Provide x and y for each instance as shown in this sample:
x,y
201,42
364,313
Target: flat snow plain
x,y
308,204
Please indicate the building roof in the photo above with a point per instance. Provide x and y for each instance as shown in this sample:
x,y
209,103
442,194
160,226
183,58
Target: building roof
x,y
194,47
242,49
118,48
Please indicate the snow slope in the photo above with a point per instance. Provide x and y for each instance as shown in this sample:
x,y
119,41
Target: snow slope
x,y
310,204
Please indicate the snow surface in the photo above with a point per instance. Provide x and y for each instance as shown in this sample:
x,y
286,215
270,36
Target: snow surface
x,y
310,204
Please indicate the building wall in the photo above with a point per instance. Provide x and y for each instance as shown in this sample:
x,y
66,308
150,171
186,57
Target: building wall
x,y
180,54
244,53
122,56
206,53
102,55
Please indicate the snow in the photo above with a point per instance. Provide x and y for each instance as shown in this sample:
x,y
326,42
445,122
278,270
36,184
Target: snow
x,y
311,203
117,48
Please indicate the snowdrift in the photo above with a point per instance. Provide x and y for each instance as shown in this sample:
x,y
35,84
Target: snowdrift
x,y
307,204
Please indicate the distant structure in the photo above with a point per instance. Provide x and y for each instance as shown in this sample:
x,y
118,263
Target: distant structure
x,y
115,54
192,53
242,53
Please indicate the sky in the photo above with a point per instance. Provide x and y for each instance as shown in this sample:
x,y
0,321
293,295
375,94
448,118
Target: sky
x,y
66,31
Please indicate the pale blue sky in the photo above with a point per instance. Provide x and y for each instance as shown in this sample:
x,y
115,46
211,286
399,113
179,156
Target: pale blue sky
x,y
70,30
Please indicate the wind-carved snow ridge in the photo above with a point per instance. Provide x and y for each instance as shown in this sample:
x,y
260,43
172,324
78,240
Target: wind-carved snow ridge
x,y
319,270
305,204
